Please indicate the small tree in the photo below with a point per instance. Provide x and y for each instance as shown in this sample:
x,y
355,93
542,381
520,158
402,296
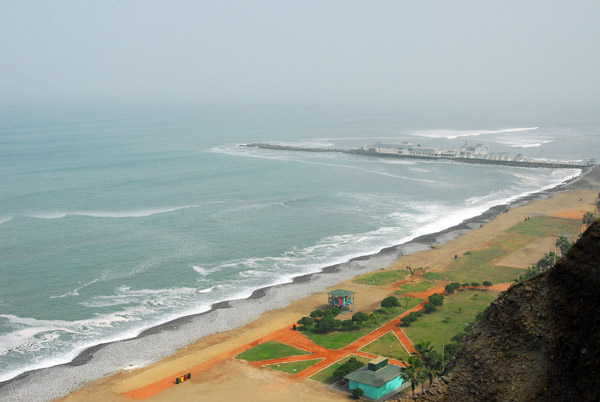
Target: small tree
x,y
588,218
475,284
390,301
317,313
412,271
564,245
449,289
465,285
357,393
487,284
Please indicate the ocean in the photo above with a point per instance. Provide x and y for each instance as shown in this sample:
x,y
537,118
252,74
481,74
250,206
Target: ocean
x,y
117,219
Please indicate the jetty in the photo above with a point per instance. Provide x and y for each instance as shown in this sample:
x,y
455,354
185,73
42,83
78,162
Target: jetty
x,y
478,154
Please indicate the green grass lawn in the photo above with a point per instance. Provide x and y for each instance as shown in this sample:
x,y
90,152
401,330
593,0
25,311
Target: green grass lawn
x,y
387,345
450,319
326,375
340,339
542,226
478,265
294,367
270,350
413,287
381,278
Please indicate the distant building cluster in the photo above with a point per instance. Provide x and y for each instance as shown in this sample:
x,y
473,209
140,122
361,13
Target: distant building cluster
x,y
479,151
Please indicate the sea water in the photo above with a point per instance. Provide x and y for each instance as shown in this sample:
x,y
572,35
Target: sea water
x,y
115,219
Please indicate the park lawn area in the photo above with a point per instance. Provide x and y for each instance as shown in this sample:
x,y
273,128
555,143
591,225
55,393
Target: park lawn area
x,y
326,375
448,320
294,367
270,350
414,287
381,278
340,339
544,226
387,345
478,265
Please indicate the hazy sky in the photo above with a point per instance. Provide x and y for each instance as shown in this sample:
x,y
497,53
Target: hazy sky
x,y
338,51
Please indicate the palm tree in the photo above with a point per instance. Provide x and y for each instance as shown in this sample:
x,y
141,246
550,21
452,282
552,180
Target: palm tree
x,y
412,271
412,372
588,218
563,244
429,358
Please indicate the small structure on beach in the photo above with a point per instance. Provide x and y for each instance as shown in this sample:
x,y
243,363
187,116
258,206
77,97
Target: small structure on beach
x,y
376,379
343,299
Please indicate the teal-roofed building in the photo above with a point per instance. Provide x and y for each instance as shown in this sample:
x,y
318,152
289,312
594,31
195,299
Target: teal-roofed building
x,y
344,299
376,379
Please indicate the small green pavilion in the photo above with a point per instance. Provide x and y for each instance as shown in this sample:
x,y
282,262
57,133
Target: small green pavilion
x,y
376,379
343,299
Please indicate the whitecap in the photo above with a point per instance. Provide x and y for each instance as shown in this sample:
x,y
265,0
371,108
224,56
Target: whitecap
x,y
140,213
452,133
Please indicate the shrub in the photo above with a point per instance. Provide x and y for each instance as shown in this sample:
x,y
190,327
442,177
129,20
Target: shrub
x,y
360,317
348,325
429,308
390,301
466,284
436,299
332,312
328,324
475,284
412,317
351,365
357,393
317,313
487,284
451,287
306,321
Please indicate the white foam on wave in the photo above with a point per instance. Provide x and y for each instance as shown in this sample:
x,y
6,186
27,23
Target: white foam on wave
x,y
201,271
451,133
45,343
140,213
75,292
525,142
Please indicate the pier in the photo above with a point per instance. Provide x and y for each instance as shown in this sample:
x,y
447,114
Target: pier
x,y
480,160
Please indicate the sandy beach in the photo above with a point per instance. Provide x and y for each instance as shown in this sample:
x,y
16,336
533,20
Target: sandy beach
x,y
218,376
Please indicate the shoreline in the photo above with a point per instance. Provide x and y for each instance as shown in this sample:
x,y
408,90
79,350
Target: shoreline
x,y
264,299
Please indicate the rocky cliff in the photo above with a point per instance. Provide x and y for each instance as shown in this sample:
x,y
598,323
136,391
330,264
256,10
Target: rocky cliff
x,y
540,341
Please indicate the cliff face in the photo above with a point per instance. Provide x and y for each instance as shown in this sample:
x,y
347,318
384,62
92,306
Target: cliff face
x,y
538,342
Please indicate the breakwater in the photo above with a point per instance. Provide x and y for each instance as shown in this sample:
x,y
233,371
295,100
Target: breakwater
x,y
473,160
